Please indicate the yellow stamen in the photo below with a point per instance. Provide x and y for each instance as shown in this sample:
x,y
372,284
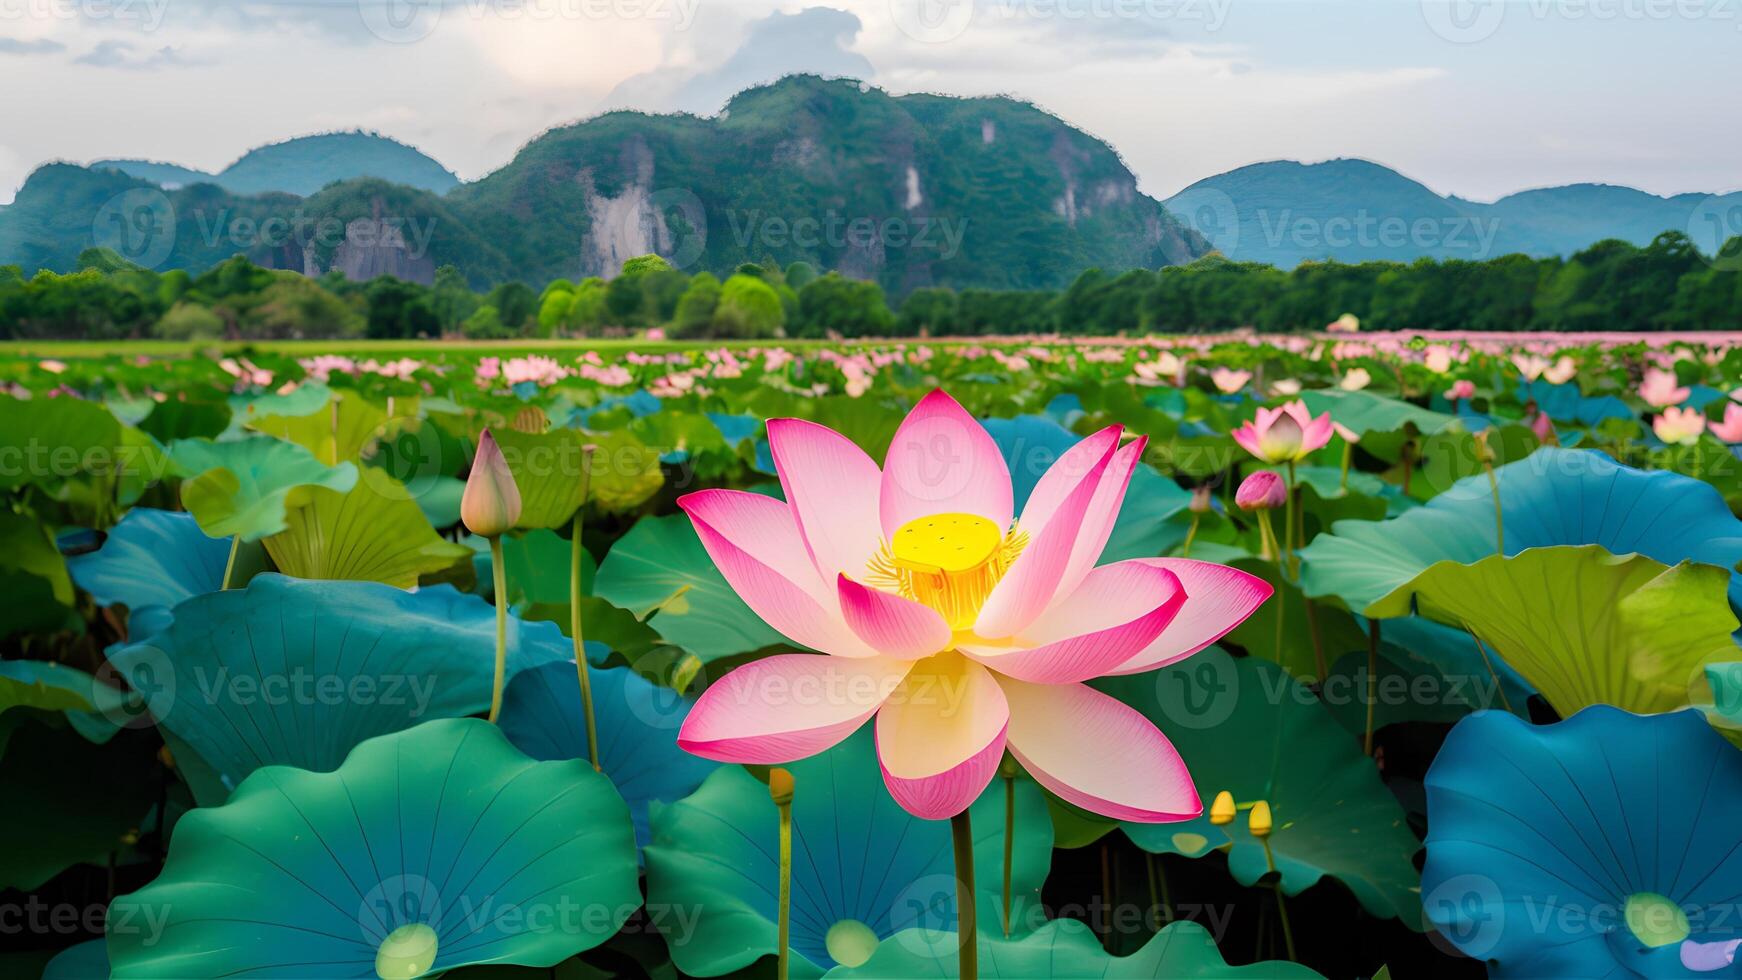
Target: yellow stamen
x,y
950,562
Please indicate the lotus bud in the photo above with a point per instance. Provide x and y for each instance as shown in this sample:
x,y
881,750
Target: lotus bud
x,y
1200,500
1461,390
1222,810
1543,426
1258,822
491,503
780,786
1262,490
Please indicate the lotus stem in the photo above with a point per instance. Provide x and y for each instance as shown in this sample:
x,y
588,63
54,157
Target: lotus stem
x,y
1281,906
1009,773
780,789
1191,533
230,564
500,576
1499,522
576,549
1291,504
1266,536
1372,681
967,935
1348,458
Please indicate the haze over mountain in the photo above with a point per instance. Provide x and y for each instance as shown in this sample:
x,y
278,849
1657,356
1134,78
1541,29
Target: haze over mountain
x,y
909,191
1284,213
304,165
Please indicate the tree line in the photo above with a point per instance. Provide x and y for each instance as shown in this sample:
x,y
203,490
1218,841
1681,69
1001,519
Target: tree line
x,y
1613,285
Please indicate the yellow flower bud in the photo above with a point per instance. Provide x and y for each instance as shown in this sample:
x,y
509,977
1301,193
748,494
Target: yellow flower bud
x,y
1259,820
491,504
1222,810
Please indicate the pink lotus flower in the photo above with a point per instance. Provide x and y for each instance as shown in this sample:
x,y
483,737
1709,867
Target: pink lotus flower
x,y
964,633
1679,426
1461,389
1228,381
1729,430
1560,372
1355,380
1289,432
1262,490
1660,389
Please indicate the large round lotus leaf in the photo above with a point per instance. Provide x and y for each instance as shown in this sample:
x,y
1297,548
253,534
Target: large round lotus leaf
x,y
179,418
1566,403
86,961
1363,412
151,561
1064,948
429,849
637,722
291,672
372,532
1243,725
626,472
50,440
27,551
1031,443
862,867
1588,848
69,800
341,430
660,569
244,488
1552,497
547,468
1583,626
1454,654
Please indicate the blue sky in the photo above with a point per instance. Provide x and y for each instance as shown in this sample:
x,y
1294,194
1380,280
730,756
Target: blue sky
x,y
1473,97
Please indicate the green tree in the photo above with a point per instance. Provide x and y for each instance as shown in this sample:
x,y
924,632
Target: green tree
x,y
748,308
695,309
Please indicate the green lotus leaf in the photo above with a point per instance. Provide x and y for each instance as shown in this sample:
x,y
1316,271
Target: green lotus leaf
x,y
305,399
372,532
341,430
1584,626
626,472
50,440
548,468
70,800
863,868
245,488
26,546
660,569
1244,726
85,961
1338,632
177,418
536,566
1064,948
1363,412
293,672
35,688
429,849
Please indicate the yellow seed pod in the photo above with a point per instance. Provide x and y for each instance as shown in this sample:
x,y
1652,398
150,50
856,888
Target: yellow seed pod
x,y
1222,810
1259,820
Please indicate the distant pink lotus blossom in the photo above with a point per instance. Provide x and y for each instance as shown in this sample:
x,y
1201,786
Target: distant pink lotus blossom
x,y
1462,389
51,365
961,631
1287,433
1356,379
1228,381
1729,430
1561,371
1659,389
1679,426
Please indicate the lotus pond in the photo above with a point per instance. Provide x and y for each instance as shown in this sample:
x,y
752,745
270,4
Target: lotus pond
x,y
1334,655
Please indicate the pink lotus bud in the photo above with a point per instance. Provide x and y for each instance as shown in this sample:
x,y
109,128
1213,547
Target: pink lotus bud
x,y
1461,389
1200,500
1262,490
491,503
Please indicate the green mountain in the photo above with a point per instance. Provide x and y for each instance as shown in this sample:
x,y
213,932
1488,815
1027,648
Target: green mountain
x,y
304,165
1285,213
909,191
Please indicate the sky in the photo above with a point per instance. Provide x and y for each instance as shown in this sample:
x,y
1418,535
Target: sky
x,y
1477,98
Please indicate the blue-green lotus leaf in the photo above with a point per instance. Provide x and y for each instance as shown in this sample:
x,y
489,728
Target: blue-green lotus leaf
x,y
293,672
1566,403
1064,948
151,562
85,961
637,722
1364,412
1551,497
862,867
95,709
429,849
244,488
1246,727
